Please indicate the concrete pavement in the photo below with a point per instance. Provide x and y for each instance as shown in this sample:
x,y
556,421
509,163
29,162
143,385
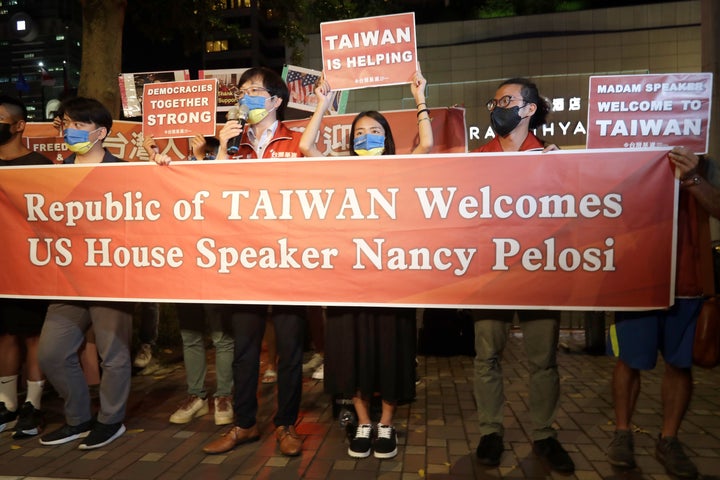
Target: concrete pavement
x,y
437,433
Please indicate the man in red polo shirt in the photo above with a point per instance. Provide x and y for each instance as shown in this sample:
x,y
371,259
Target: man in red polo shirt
x,y
516,109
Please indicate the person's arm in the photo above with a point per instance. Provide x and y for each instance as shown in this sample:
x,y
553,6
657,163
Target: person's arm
x,y
154,152
417,87
323,93
686,168
197,146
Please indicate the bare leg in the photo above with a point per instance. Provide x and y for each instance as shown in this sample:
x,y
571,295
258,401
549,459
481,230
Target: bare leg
x,y
9,355
626,388
362,409
31,360
676,393
388,412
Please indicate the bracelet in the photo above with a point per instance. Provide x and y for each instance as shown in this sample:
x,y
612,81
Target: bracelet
x,y
423,110
421,103
689,175
424,118
692,181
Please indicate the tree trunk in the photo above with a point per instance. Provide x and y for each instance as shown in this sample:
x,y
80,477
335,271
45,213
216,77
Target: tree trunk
x,y
102,51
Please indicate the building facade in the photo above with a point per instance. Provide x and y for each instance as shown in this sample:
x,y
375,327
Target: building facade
x,y
465,61
40,51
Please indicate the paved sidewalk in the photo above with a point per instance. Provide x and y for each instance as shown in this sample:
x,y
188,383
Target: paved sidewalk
x,y
438,432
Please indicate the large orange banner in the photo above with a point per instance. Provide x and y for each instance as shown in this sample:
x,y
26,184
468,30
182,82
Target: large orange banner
x,y
568,229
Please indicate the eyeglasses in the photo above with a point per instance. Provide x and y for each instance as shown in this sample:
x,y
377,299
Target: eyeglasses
x,y
252,91
503,102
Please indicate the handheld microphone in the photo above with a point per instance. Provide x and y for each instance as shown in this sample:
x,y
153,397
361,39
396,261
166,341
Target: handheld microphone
x,y
241,115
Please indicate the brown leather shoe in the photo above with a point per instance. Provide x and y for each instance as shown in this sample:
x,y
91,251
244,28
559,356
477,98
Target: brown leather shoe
x,y
289,441
228,441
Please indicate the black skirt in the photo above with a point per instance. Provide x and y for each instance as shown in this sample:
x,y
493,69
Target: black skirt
x,y
371,350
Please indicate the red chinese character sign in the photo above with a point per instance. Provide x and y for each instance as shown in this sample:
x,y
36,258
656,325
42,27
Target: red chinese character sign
x,y
180,109
639,111
126,138
369,52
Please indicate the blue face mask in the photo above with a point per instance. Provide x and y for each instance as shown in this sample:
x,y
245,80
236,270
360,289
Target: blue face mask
x,y
253,102
73,136
369,144
78,141
256,105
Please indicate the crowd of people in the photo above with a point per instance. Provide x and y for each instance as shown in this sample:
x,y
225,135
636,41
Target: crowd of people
x,y
373,352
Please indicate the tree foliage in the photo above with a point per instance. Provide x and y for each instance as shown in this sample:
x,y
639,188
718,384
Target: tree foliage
x,y
188,22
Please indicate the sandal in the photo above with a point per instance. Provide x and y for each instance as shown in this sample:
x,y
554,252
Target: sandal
x,y
270,376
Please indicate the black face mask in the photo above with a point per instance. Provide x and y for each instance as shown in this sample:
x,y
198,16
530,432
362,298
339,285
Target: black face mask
x,y
5,133
504,120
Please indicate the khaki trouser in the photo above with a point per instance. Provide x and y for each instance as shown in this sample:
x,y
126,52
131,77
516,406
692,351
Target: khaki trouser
x,y
540,336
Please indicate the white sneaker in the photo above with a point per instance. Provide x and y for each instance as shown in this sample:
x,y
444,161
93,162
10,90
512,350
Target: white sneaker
x,y
315,361
193,406
224,414
143,356
319,373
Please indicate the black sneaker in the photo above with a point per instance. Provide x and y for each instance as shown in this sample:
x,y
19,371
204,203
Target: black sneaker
x,y
670,453
7,418
555,455
385,445
67,433
361,443
621,452
102,434
490,449
30,421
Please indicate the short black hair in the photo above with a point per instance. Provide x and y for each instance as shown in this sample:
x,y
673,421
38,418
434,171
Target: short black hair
x,y
86,110
15,107
530,94
274,84
378,117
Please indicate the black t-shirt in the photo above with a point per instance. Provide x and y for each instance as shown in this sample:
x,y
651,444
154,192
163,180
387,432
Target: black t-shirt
x,y
32,158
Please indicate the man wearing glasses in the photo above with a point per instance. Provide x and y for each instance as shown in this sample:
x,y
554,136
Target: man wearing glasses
x,y
516,109
263,95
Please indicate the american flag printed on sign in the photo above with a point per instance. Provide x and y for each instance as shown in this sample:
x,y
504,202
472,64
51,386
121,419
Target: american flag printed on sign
x,y
301,85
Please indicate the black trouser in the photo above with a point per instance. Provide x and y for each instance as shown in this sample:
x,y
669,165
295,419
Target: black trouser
x,y
249,327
